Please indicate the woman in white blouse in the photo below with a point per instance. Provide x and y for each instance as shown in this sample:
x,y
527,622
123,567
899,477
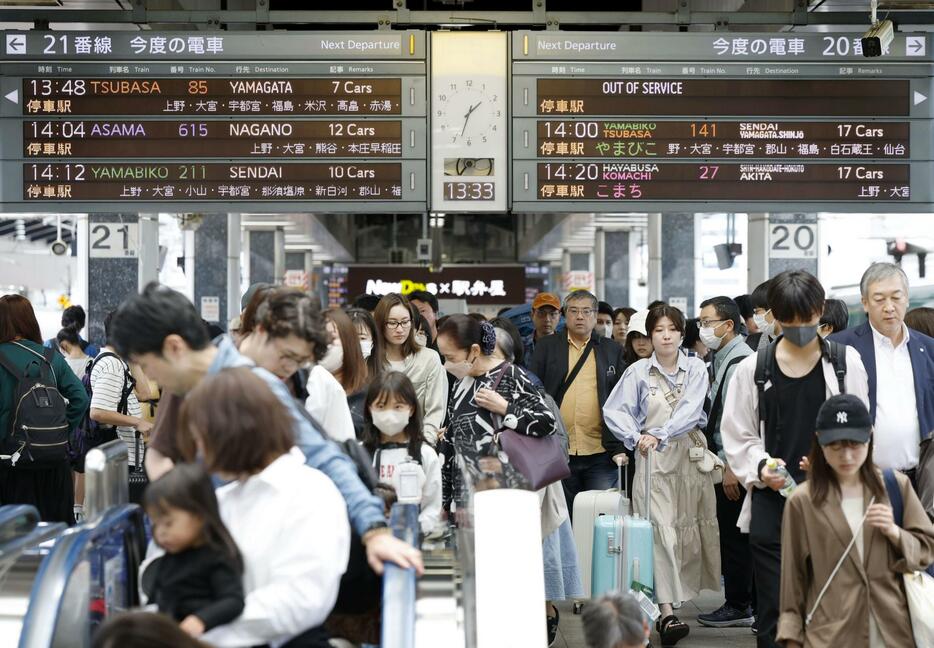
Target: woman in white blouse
x,y
394,319
659,404
289,520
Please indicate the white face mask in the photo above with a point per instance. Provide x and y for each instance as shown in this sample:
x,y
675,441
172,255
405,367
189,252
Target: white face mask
x,y
390,422
421,339
709,337
458,369
333,360
366,346
767,328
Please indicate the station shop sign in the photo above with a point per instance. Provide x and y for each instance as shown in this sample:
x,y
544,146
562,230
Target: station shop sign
x,y
476,284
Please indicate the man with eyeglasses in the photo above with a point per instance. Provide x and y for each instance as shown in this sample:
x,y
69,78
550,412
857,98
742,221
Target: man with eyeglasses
x,y
546,314
900,364
720,324
580,369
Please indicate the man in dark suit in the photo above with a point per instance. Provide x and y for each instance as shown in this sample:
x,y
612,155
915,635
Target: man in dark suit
x,y
900,364
581,394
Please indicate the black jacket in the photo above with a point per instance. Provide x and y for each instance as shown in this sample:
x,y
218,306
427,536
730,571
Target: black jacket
x,y
550,364
197,581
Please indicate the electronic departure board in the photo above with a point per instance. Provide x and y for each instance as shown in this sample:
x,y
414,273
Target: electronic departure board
x,y
325,121
604,122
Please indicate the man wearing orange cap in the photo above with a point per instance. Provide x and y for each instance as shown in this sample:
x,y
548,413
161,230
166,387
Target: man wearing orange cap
x,y
546,313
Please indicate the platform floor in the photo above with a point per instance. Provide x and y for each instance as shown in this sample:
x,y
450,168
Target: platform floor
x,y
571,634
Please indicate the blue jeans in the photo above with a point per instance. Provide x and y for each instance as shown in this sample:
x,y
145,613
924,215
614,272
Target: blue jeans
x,y
589,472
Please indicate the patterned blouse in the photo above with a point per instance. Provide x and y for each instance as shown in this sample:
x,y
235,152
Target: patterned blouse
x,y
471,428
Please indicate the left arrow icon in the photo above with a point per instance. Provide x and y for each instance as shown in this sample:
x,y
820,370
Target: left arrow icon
x,y
13,96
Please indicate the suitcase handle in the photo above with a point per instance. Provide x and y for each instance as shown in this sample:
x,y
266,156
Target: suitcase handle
x,y
648,483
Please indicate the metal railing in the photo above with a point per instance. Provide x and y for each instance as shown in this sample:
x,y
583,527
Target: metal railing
x,y
398,614
91,572
106,474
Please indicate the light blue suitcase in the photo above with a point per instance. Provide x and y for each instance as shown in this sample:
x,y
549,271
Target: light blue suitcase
x,y
623,557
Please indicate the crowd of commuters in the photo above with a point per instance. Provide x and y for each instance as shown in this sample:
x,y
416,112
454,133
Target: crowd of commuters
x,y
769,431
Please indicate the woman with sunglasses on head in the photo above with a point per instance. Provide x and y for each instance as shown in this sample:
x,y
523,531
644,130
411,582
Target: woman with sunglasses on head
x,y
844,510
401,352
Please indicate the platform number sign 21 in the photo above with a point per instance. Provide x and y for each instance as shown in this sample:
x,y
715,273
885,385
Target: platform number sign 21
x,y
113,240
793,241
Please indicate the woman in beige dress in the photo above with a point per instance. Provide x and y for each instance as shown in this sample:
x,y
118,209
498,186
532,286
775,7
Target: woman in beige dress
x,y
658,407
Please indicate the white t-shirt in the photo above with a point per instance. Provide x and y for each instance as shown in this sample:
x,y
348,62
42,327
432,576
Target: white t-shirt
x,y
327,403
107,383
78,365
429,476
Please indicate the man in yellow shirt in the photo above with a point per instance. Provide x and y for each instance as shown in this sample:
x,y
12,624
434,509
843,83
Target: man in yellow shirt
x,y
580,369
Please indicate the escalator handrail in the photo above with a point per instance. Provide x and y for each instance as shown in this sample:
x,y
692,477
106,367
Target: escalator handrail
x,y
16,519
398,616
48,590
13,549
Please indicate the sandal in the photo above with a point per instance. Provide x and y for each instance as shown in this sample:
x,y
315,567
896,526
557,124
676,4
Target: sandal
x,y
671,630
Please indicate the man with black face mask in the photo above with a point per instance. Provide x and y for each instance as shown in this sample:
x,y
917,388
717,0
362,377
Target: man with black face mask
x,y
770,414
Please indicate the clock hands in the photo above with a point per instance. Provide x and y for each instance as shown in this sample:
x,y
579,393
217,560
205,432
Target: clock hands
x,y
467,116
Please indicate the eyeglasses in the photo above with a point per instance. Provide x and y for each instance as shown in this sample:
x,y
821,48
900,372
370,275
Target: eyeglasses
x,y
396,324
706,323
586,312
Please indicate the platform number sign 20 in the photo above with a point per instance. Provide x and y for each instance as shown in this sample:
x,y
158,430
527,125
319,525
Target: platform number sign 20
x,y
793,241
113,240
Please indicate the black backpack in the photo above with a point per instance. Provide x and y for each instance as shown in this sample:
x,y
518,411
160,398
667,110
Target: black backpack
x,y
39,428
89,433
765,362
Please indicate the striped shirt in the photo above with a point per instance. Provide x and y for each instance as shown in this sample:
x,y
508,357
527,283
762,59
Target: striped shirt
x,y
107,385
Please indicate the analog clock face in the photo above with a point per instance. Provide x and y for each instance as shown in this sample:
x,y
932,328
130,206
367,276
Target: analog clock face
x,y
467,113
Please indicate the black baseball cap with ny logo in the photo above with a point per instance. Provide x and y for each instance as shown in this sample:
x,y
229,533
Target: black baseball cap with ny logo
x,y
843,417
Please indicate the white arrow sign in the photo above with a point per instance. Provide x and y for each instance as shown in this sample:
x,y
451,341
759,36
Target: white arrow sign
x,y
915,45
919,98
13,96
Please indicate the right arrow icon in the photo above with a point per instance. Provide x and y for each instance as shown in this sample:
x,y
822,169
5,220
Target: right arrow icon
x,y
920,98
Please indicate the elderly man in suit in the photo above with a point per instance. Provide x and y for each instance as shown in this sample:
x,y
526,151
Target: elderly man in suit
x,y
900,364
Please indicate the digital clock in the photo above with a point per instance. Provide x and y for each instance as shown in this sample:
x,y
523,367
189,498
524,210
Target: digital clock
x,y
469,191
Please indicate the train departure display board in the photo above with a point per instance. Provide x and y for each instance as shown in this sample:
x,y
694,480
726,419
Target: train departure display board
x,y
323,120
604,122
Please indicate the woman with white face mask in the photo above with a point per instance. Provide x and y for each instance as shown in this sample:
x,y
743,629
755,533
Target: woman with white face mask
x,y
393,436
400,352
338,376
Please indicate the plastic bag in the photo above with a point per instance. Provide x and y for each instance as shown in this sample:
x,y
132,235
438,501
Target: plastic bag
x,y
919,589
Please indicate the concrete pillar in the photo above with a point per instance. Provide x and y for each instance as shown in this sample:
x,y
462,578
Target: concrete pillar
x,y
209,271
654,277
599,264
616,247
757,250
793,243
681,260
278,257
234,246
262,256
111,279
148,249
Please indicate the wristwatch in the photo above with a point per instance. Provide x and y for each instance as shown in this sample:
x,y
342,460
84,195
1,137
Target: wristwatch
x,y
373,529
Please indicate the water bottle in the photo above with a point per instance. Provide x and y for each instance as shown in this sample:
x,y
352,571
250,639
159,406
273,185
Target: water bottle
x,y
790,483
